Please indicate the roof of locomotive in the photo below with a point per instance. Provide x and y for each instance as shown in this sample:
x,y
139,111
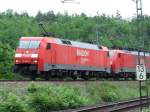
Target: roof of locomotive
x,y
31,38
130,52
77,44
68,42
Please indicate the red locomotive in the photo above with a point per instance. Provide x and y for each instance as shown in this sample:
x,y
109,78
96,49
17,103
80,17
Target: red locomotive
x,y
53,57
49,57
124,63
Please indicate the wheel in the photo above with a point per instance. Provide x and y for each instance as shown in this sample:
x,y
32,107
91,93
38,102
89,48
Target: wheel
x,y
74,77
46,76
85,77
33,77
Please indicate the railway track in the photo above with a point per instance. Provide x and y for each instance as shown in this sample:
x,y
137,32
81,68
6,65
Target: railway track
x,y
55,80
84,82
114,107
65,81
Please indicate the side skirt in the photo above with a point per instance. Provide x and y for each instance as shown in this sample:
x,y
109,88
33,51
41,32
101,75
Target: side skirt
x,y
49,67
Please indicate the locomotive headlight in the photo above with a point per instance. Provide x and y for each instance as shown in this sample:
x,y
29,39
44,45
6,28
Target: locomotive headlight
x,y
17,61
34,55
35,61
18,55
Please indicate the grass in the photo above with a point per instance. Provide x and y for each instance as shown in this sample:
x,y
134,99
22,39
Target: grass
x,y
11,76
146,110
43,97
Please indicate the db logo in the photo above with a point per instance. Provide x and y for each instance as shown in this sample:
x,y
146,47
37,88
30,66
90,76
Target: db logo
x,y
81,52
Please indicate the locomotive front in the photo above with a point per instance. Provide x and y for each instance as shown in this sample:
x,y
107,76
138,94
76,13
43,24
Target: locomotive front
x,y
27,55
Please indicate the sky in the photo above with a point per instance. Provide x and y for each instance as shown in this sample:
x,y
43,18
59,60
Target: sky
x,y
127,8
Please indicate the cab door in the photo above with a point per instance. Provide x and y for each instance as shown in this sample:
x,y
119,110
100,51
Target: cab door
x,y
48,53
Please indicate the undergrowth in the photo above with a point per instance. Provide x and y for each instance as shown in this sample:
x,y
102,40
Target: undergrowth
x,y
46,97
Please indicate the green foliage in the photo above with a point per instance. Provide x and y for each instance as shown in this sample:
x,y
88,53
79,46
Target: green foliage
x,y
32,88
111,31
45,97
11,76
108,93
103,92
5,57
42,102
12,104
146,110
55,98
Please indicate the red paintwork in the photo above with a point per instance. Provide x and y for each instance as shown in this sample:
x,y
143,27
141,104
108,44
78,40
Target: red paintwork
x,y
64,54
122,59
147,63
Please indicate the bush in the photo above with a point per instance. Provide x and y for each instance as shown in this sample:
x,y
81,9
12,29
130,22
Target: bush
x,y
73,97
42,102
6,58
11,76
108,93
32,88
146,110
103,92
44,98
12,104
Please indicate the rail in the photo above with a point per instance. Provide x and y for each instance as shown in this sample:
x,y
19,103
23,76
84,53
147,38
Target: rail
x,y
114,107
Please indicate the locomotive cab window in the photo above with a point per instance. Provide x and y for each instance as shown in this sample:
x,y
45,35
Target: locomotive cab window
x,y
29,44
48,46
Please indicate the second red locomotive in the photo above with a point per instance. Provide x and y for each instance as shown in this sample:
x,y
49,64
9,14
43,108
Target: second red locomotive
x,y
124,63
